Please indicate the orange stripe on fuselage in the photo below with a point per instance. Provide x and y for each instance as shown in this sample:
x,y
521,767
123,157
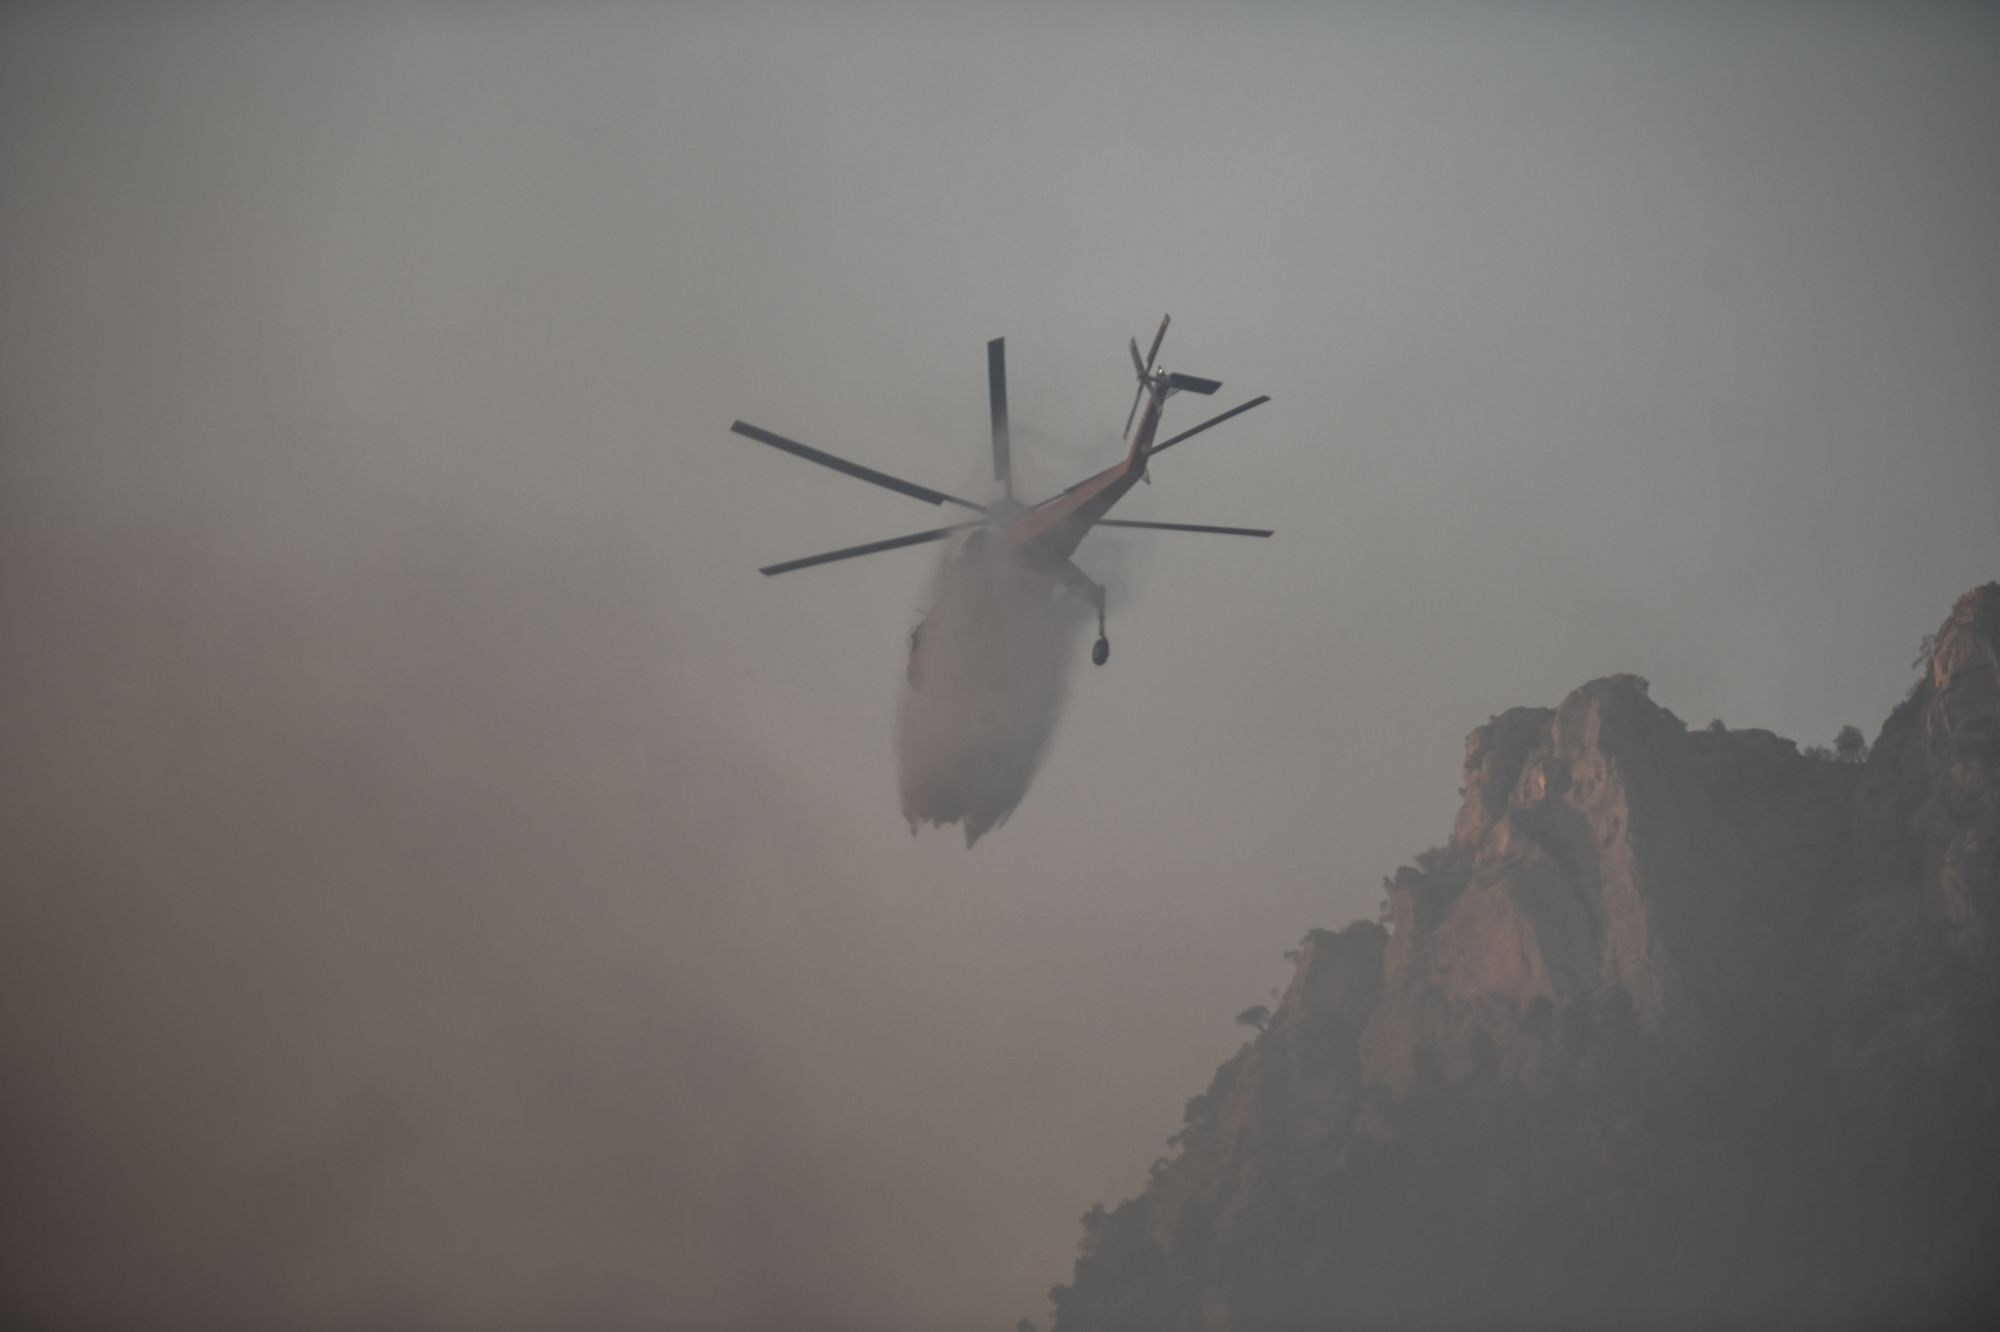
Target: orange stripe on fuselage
x,y
1052,530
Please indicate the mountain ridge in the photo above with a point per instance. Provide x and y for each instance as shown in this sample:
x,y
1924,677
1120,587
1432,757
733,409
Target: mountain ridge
x,y
1677,1025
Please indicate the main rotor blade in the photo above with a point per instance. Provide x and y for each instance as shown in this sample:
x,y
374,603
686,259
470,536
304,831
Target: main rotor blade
x,y
855,470
850,552
1212,421
1187,527
996,393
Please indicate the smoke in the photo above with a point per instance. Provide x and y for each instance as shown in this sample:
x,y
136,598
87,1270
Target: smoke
x,y
989,673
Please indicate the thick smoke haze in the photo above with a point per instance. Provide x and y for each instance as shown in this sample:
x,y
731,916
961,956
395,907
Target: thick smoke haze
x,y
988,675
442,884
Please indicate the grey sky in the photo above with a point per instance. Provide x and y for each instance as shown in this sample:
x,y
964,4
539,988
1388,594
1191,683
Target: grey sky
x,y
440,878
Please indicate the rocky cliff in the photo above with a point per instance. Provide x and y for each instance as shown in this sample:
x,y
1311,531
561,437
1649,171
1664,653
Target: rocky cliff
x,y
1681,1026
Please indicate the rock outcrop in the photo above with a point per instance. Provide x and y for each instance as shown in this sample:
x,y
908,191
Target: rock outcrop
x,y
1681,1026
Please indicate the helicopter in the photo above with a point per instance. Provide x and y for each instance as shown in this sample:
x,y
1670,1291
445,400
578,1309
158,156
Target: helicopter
x,y
1041,537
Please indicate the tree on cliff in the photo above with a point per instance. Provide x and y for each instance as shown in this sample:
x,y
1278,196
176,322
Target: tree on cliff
x,y
1850,746
1925,651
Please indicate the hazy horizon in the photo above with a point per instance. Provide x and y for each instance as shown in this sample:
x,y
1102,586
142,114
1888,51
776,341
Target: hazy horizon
x,y
445,884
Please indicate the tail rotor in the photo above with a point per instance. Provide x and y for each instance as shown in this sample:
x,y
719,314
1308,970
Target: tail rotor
x,y
1145,369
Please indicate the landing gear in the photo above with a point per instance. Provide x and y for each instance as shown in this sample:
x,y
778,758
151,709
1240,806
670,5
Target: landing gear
x,y
1092,592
